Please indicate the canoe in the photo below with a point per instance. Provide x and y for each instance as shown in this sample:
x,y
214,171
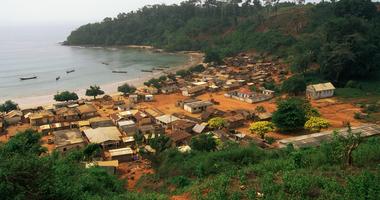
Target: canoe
x,y
28,78
119,72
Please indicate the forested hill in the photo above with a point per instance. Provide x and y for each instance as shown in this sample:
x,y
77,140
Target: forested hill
x,y
343,37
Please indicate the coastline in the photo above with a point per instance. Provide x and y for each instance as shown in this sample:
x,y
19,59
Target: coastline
x,y
194,59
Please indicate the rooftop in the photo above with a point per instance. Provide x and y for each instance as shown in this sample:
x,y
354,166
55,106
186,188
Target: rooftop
x,y
126,123
86,108
179,136
167,119
121,151
67,137
316,139
14,113
41,114
183,124
199,104
128,113
102,134
323,86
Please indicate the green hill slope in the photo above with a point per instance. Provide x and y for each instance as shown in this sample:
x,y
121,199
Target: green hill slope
x,y
342,38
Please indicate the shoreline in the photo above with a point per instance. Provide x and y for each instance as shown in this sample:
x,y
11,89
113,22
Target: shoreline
x,y
194,58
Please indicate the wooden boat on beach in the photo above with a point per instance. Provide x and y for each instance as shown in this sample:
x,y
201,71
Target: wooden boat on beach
x,y
119,72
28,78
70,71
145,70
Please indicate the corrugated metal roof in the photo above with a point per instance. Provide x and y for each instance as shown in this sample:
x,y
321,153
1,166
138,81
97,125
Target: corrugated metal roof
x,y
102,134
323,86
120,152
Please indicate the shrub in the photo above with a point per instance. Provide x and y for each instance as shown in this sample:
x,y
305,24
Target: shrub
x,y
294,85
315,124
261,128
180,181
290,114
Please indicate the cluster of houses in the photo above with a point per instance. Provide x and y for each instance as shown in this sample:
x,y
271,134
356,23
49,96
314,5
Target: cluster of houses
x,y
74,125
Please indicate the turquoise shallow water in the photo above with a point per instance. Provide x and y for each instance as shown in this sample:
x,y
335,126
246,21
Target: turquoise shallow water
x,y
36,52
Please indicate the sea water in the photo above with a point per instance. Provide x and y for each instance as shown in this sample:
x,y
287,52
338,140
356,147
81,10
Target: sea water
x,y
35,51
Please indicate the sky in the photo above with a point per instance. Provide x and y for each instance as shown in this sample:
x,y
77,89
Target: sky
x,y
66,12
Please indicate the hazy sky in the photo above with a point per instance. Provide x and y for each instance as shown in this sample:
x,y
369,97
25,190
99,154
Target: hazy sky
x,y
66,12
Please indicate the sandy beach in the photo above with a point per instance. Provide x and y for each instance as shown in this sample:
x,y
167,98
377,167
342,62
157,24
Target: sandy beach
x,y
195,58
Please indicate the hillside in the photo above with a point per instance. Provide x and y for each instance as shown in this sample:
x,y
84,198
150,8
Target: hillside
x,y
341,38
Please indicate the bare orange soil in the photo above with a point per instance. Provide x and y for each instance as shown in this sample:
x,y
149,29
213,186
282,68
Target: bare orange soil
x,y
12,130
185,196
132,171
332,110
337,112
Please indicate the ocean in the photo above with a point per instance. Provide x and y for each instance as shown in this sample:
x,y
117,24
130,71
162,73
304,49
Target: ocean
x,y
35,51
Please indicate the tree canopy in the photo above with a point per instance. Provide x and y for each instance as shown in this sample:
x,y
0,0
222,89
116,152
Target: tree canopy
x,y
204,142
294,85
339,40
261,128
290,114
66,96
315,124
217,123
94,91
126,89
8,106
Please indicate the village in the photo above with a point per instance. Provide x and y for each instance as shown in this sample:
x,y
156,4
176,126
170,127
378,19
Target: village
x,y
179,108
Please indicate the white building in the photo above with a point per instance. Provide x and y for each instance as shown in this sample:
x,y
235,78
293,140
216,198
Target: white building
x,y
197,107
319,91
166,120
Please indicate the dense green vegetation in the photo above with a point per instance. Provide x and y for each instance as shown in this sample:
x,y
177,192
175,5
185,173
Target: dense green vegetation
x,y
26,172
66,96
290,114
8,106
342,37
126,89
333,171
94,91
236,172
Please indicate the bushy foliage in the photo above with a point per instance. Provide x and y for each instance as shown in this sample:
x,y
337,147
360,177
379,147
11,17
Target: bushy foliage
x,y
66,96
94,91
261,128
8,106
204,142
315,124
126,89
160,143
294,85
290,114
336,36
217,123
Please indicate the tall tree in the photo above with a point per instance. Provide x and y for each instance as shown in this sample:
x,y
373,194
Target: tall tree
x,y
66,96
94,91
294,85
290,114
126,89
8,106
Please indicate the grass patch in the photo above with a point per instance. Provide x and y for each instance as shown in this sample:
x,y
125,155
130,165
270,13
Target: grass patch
x,y
369,88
